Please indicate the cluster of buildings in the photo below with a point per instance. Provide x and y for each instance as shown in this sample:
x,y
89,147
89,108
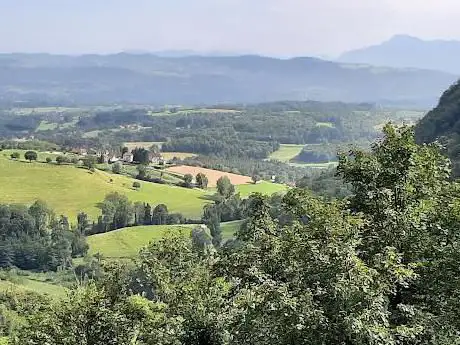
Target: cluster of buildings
x,y
127,157
154,158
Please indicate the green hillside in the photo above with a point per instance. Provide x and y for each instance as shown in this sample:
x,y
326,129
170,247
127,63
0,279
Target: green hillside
x,y
286,152
229,228
127,242
32,285
266,188
443,124
69,190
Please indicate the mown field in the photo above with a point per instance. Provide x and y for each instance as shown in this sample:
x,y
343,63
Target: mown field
x,y
131,145
180,155
126,242
266,188
286,152
69,190
32,285
229,228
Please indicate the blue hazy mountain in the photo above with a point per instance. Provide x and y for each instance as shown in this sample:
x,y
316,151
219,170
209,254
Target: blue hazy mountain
x,y
407,51
151,79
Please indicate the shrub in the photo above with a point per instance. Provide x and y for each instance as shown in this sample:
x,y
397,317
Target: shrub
x,y
117,167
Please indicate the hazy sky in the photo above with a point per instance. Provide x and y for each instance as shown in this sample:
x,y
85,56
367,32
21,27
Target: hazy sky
x,y
271,27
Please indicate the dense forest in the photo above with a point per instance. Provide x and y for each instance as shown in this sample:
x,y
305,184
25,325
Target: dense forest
x,y
381,268
33,238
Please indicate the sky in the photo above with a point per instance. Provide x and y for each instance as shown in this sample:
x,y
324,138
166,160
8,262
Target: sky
x,y
267,27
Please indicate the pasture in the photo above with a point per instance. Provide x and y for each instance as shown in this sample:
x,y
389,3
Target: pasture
x,y
70,190
286,152
32,285
45,126
180,155
263,187
131,145
127,242
230,228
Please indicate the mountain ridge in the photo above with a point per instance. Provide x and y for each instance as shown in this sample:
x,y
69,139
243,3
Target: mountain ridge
x,y
146,78
408,51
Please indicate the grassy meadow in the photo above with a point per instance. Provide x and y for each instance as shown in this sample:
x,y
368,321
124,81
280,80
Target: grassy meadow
x,y
32,285
229,228
266,188
131,145
127,242
286,152
69,190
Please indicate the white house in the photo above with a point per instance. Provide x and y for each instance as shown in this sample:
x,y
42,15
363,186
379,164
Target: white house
x,y
113,159
128,157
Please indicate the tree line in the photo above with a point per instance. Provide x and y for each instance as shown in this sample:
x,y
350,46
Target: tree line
x,y
117,212
33,238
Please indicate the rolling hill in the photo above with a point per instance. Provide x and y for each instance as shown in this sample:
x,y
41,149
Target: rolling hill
x,y
69,190
126,242
149,79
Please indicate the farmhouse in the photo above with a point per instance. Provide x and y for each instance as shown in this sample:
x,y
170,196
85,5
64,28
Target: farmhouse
x,y
79,151
113,159
128,157
156,158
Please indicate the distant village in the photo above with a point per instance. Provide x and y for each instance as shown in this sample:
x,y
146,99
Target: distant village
x,y
106,156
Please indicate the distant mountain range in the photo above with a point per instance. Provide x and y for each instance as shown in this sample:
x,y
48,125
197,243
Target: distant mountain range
x,y
406,51
150,79
183,53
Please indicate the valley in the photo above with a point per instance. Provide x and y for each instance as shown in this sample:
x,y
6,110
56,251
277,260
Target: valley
x,y
182,199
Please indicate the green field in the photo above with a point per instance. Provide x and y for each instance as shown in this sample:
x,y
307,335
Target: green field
x,y
286,152
127,242
325,124
131,145
194,111
45,126
5,154
69,190
92,134
32,285
229,228
180,155
263,187
313,165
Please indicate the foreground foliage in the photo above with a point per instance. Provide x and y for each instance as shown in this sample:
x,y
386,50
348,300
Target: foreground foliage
x,y
378,268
